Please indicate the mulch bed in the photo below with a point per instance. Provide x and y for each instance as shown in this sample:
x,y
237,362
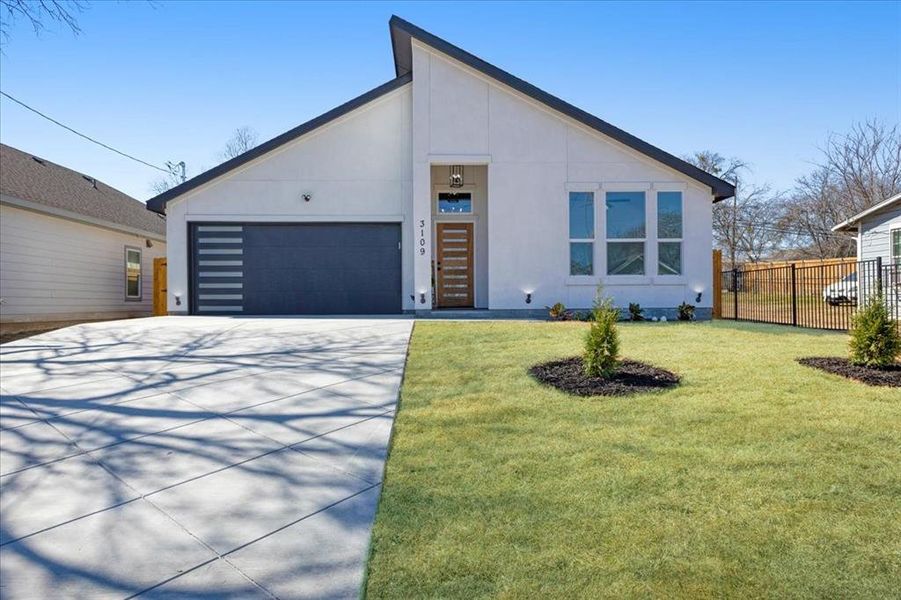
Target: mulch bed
x,y
887,376
632,377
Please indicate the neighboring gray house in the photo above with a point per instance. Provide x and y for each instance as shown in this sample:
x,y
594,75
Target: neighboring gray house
x,y
878,231
71,247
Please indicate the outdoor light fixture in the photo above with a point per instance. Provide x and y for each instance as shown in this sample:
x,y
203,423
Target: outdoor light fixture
x,y
422,297
307,197
698,297
528,297
456,176
177,300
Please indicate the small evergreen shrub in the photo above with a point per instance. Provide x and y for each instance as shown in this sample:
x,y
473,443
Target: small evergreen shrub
x,y
686,311
875,341
602,341
635,312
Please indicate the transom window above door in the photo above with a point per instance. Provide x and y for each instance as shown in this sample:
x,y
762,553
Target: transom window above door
x,y
455,203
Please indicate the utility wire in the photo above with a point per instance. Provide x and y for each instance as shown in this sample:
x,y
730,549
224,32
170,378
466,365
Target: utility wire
x,y
89,138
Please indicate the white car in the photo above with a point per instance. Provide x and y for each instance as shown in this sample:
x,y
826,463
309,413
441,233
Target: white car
x,y
844,290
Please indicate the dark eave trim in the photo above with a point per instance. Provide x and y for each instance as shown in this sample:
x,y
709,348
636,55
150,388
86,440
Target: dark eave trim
x,y
402,31
158,203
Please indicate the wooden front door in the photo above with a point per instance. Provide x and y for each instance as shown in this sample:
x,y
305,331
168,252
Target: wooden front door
x,y
454,266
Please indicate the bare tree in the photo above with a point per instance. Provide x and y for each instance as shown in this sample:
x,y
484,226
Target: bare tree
x,y
816,204
39,12
857,170
745,226
242,139
865,164
165,183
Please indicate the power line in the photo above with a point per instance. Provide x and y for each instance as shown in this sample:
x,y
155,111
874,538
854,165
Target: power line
x,y
87,137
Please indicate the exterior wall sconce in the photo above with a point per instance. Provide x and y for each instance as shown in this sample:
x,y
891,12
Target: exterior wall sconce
x,y
422,297
306,197
456,176
698,297
528,297
177,300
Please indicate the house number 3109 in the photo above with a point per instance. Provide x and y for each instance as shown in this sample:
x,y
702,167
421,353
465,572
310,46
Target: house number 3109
x,y
421,236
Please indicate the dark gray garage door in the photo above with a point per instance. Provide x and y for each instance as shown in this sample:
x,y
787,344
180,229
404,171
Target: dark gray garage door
x,y
295,269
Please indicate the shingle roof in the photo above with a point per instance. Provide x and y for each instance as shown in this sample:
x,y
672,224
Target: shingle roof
x,y
33,179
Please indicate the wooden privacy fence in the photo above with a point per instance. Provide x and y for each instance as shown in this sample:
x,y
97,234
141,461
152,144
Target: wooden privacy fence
x,y
159,286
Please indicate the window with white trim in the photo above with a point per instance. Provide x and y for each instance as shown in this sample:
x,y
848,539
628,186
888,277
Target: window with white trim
x,y
625,233
581,233
132,273
669,233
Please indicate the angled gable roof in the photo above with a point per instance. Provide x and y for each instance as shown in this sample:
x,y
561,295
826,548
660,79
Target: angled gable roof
x,y
403,31
158,203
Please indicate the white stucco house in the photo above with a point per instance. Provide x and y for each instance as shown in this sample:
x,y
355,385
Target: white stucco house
x,y
454,185
71,247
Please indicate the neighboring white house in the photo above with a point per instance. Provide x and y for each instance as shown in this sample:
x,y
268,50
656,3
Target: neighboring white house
x,y
454,185
71,247
878,231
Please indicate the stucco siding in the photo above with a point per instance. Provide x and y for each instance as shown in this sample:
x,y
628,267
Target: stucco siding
x,y
357,168
875,238
54,269
534,156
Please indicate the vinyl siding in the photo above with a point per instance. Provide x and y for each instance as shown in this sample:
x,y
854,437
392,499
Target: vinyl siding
x,y
54,269
875,235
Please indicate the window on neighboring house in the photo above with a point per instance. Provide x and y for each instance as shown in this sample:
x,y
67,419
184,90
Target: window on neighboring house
x,y
132,273
669,233
581,233
896,246
625,233
455,203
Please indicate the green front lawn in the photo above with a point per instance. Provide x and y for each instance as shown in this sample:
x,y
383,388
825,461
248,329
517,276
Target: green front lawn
x,y
757,477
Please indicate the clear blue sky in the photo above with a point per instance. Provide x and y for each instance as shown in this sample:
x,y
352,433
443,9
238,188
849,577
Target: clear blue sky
x,y
170,81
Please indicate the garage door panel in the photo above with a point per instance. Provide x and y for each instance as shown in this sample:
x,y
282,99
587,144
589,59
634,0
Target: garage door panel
x,y
309,268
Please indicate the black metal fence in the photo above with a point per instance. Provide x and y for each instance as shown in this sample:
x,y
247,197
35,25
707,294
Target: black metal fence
x,y
821,296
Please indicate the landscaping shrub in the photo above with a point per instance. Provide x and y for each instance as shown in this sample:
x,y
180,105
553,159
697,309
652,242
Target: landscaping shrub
x,y
558,312
875,341
635,311
686,311
602,341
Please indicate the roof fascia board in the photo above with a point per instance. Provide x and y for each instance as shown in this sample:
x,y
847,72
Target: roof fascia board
x,y
158,203
721,189
51,211
851,224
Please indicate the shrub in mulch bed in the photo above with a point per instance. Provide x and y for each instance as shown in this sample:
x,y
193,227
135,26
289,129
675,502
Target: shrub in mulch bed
x,y
630,377
889,376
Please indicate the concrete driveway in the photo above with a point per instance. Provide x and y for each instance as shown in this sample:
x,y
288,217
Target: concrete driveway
x,y
200,457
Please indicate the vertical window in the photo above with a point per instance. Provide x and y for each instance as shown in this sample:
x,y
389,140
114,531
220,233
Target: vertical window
x,y
669,233
625,233
581,233
132,273
896,246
